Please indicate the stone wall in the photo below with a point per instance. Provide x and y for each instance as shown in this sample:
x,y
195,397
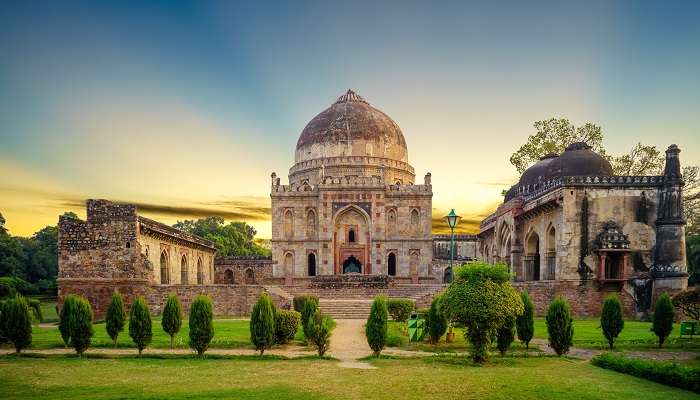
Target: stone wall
x,y
243,270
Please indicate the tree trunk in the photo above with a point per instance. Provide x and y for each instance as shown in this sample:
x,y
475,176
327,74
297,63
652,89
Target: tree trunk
x,y
172,339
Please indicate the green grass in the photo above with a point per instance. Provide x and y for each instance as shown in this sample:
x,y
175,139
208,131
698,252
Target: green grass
x,y
130,378
48,311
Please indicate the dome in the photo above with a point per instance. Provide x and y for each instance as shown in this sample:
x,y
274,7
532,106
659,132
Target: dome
x,y
351,127
579,160
538,171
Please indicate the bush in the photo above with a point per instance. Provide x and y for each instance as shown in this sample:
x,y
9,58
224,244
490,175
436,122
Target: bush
x,y
400,309
377,325
611,319
667,373
286,325
116,317
65,315
300,301
7,289
171,320
201,324
320,327
689,302
506,335
12,285
17,323
3,339
435,321
262,323
310,309
81,330
482,299
140,326
525,323
560,326
664,314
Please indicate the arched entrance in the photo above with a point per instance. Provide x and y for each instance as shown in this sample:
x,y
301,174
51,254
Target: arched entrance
x,y
311,264
532,260
351,238
164,272
391,264
228,277
352,265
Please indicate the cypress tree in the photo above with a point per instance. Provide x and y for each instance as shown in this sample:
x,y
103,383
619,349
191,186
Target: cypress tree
x,y
611,319
140,326
560,326
262,323
172,317
310,308
506,335
525,323
320,327
664,313
81,330
377,325
17,323
116,317
201,324
436,322
65,315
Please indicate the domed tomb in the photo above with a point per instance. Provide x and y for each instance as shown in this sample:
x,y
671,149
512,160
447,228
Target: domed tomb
x,y
579,160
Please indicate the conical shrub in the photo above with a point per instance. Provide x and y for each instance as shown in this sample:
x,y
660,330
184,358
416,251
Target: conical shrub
x,y
664,313
17,323
376,328
525,323
140,325
201,324
116,317
262,323
611,319
560,326
171,320
81,329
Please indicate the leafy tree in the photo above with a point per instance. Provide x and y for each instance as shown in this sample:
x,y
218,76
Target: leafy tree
x,y
65,316
560,326
689,302
436,322
482,299
140,325
232,239
262,323
286,325
525,323
81,329
506,335
377,326
201,324
641,160
320,328
116,317
310,309
172,317
611,319
662,322
17,323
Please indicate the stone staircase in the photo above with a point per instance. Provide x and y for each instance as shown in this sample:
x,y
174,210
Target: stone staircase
x,y
346,308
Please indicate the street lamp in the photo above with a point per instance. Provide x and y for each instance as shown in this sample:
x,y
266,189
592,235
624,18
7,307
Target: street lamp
x,y
452,220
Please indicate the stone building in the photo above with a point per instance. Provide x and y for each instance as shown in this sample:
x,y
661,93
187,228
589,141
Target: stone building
x,y
570,227
352,204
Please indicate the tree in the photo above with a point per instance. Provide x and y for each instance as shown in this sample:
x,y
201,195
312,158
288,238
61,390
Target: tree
x,y
201,324
81,329
611,319
65,316
377,325
310,309
140,325
692,250
172,317
482,299
320,327
17,323
689,302
233,239
286,325
436,322
560,326
506,335
116,317
400,309
525,323
662,322
641,160
262,323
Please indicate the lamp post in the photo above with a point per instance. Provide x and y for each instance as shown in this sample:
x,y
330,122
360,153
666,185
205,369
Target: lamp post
x,y
452,220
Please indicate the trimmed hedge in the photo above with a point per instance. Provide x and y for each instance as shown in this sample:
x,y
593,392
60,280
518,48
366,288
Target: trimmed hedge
x,y
400,309
667,373
611,319
560,326
16,323
286,325
171,320
662,320
140,326
201,324
262,323
116,317
300,301
377,328
81,330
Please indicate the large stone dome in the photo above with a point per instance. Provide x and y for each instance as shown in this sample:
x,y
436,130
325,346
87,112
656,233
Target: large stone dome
x,y
351,127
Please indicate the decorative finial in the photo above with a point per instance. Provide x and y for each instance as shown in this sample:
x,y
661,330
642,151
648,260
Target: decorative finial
x,y
350,97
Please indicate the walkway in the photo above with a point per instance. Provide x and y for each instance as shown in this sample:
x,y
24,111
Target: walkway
x,y
587,354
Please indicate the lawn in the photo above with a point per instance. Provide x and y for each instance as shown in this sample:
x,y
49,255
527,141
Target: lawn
x,y
128,378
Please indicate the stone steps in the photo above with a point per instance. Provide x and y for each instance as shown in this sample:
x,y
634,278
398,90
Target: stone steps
x,y
346,309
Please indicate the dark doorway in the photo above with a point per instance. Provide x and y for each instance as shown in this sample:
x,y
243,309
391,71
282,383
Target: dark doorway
x,y
352,265
311,264
613,265
228,277
391,265
351,236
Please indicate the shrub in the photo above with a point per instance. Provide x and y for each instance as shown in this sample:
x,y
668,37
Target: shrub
x,y
320,327
664,372
286,325
7,289
664,314
81,330
35,308
17,323
300,301
482,299
400,309
140,326
262,323
377,325
3,339
525,323
65,315
435,321
12,285
201,324
116,317
506,335
611,319
310,309
171,320
689,302
560,326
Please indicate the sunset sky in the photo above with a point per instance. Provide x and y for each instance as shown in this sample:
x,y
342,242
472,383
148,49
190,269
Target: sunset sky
x,y
185,108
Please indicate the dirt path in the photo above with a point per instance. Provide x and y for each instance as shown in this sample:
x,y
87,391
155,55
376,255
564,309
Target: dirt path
x,y
587,354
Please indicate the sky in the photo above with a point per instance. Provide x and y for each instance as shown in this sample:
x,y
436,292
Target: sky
x,y
186,108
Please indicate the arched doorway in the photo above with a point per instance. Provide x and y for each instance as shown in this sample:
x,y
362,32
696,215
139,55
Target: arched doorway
x,y
352,265
532,260
351,238
200,272
228,277
249,277
391,264
311,264
551,255
164,273
184,273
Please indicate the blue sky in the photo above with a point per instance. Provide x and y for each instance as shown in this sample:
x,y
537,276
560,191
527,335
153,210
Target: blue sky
x,y
185,106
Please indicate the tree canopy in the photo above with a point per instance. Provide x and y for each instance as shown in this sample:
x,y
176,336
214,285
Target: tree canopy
x,y
232,239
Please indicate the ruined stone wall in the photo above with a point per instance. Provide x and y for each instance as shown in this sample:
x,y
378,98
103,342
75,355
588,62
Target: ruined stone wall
x,y
243,270
174,250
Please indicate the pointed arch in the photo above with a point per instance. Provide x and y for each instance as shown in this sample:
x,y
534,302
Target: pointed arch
x,y
184,273
532,256
551,254
311,264
311,224
164,270
391,221
288,224
391,264
200,271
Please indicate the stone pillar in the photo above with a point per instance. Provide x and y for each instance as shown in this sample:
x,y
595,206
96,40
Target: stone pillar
x,y
626,266
601,265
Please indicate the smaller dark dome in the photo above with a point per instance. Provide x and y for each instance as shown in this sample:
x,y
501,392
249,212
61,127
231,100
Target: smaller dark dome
x,y
579,160
538,171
